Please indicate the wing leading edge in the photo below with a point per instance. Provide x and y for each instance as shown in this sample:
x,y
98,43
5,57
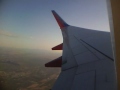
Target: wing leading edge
x,y
87,60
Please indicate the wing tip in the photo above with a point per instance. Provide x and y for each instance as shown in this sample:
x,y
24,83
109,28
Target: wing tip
x,y
59,20
52,11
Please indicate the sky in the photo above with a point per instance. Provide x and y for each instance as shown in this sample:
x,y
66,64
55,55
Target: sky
x,y
30,23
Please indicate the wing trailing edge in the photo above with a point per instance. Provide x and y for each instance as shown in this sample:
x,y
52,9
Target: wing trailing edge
x,y
59,20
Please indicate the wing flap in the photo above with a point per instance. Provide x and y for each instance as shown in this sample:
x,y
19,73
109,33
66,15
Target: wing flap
x,y
65,80
88,84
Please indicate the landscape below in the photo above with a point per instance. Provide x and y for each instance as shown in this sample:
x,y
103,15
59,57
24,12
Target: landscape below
x,y
23,69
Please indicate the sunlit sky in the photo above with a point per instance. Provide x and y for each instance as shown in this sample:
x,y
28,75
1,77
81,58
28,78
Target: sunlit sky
x,y
30,23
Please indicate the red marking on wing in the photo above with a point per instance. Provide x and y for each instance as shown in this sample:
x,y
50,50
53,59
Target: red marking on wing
x,y
58,21
58,47
55,63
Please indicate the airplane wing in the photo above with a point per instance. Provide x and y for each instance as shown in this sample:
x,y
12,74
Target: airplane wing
x,y
87,59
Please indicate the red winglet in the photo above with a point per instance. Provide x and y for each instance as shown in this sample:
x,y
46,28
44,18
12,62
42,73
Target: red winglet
x,y
55,63
58,47
59,20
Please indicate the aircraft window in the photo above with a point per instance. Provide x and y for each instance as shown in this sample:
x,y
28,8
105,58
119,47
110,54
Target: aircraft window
x,y
28,31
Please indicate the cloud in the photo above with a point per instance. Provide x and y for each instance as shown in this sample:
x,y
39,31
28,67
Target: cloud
x,y
14,35
8,34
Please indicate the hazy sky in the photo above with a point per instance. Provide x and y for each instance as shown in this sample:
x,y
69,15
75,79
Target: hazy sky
x,y
30,23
